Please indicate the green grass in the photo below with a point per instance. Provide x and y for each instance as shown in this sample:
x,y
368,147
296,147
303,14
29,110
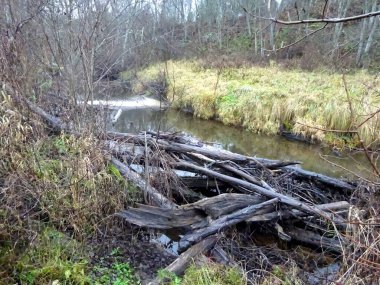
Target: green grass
x,y
261,98
213,274
53,256
116,272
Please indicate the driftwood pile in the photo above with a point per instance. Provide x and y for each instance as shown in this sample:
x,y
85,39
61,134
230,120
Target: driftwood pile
x,y
200,190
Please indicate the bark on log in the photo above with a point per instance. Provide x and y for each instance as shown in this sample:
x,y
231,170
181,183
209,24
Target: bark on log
x,y
157,197
320,177
223,222
258,189
54,122
198,182
218,154
342,205
164,218
192,216
315,239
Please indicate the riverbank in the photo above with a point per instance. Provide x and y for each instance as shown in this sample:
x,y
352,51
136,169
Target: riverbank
x,y
272,99
60,193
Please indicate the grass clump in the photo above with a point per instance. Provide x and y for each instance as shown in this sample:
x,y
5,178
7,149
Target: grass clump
x,y
167,277
116,272
213,274
53,256
260,99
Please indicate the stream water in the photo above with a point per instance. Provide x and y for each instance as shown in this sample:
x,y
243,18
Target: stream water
x,y
244,142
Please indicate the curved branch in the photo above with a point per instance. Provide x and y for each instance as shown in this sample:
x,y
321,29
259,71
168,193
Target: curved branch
x,y
327,20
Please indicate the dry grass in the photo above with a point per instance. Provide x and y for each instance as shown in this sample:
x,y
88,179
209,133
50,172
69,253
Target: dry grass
x,y
63,182
362,254
262,98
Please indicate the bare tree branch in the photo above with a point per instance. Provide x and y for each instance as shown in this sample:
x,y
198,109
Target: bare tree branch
x,y
300,39
328,20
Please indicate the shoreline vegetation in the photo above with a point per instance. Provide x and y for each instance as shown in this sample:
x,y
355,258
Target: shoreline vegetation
x,y
272,99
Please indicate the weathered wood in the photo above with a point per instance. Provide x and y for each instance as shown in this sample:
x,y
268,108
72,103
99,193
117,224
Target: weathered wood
x,y
123,148
222,257
151,192
55,123
224,204
320,177
202,182
163,218
179,265
193,216
223,222
258,189
218,154
285,214
315,239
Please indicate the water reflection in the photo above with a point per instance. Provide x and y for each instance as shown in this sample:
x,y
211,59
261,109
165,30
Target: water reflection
x,y
242,141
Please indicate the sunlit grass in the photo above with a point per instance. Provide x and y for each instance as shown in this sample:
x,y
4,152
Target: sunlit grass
x,y
261,98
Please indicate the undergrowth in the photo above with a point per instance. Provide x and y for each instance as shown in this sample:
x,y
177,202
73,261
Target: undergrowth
x,y
213,274
119,273
260,99
208,273
50,185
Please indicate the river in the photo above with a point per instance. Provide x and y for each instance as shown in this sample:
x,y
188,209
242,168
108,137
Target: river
x,y
244,142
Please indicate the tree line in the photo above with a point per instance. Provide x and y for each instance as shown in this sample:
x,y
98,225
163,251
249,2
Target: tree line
x,y
93,39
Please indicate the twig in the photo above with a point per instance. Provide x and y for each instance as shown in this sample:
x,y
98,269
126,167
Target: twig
x,y
299,40
352,114
370,117
373,165
324,9
327,130
342,167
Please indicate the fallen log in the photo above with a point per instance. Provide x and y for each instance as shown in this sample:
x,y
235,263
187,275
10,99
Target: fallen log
x,y
218,154
151,192
202,182
285,214
192,216
222,257
123,148
223,222
320,178
224,204
55,123
164,218
179,265
315,239
258,189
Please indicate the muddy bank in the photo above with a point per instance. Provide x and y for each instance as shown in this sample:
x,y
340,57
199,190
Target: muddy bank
x,y
132,245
